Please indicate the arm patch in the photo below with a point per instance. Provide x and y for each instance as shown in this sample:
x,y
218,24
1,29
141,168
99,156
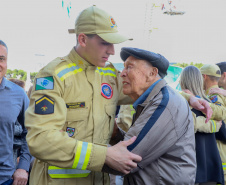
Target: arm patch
x,y
44,105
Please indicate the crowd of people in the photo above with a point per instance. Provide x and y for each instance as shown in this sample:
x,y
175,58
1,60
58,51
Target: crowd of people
x,y
64,131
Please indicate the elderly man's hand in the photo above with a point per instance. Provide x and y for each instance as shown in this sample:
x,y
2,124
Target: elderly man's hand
x,y
217,91
20,177
120,159
201,105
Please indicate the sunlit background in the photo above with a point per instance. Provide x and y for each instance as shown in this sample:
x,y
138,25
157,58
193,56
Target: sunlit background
x,y
36,31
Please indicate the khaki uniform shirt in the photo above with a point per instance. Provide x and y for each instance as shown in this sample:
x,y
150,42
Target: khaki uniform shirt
x,y
70,120
219,100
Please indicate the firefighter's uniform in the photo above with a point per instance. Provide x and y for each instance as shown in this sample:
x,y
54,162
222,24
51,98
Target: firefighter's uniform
x,y
220,100
70,120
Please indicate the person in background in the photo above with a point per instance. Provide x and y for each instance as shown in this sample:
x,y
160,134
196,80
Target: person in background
x,y
19,82
211,76
72,108
13,103
209,168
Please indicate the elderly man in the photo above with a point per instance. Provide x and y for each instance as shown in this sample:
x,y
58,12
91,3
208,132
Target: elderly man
x,y
13,103
163,123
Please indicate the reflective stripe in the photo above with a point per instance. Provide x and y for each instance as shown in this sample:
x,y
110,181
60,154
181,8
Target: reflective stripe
x,y
224,166
214,127
56,172
67,70
78,169
82,155
106,71
132,110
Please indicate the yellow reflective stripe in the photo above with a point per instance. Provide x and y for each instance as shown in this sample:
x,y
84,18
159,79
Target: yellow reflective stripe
x,y
43,99
70,73
132,110
106,71
89,148
67,70
77,154
61,176
213,126
224,166
64,67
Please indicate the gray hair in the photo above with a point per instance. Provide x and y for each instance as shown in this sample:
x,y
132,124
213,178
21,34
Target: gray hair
x,y
3,44
191,79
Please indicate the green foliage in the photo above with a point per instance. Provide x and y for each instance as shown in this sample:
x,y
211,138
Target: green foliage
x,y
32,75
20,74
183,65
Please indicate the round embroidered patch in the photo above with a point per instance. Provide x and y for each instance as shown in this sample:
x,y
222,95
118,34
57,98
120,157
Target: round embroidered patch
x,y
213,98
106,91
113,23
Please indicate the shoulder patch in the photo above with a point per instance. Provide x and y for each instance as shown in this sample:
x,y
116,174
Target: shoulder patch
x,y
44,105
44,83
213,98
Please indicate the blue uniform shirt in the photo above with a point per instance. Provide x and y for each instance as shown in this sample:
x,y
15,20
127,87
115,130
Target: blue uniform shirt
x,y
13,103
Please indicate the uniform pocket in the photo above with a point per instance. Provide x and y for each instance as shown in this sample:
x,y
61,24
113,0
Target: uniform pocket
x,y
76,123
109,123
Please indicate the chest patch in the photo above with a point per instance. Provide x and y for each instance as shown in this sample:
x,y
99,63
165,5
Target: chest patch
x,y
106,91
44,105
214,98
70,131
75,105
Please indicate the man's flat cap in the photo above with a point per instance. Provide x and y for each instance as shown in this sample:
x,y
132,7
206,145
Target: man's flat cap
x,y
156,60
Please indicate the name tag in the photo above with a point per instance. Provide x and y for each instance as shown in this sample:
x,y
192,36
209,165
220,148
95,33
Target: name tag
x,y
75,105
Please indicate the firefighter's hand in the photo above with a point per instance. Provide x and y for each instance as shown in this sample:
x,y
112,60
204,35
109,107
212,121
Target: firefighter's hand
x,y
120,159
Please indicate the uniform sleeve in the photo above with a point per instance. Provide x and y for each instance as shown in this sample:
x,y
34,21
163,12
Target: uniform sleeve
x,y
221,135
218,112
45,121
153,139
125,116
25,157
211,126
185,95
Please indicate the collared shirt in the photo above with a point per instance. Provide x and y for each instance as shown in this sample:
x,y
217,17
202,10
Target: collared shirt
x,y
13,103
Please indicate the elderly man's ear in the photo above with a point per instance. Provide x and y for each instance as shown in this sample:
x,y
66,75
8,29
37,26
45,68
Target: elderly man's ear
x,y
152,74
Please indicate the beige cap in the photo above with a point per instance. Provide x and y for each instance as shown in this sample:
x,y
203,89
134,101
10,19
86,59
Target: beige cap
x,y
211,69
96,21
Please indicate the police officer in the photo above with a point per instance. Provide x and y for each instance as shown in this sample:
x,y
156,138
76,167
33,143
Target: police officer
x,y
211,75
72,111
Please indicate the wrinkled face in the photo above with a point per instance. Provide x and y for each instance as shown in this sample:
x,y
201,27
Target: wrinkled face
x,y
3,62
97,51
136,77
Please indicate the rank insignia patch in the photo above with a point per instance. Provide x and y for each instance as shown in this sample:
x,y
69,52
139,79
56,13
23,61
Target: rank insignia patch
x,y
106,91
44,83
44,105
75,105
213,98
70,131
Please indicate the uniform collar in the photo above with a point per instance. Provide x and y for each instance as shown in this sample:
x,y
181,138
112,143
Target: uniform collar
x,y
82,63
214,86
5,84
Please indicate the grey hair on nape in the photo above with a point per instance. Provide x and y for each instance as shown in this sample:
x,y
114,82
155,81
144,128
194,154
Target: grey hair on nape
x,y
191,79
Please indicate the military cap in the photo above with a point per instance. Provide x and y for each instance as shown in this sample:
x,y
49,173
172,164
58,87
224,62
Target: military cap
x,y
155,59
211,70
94,20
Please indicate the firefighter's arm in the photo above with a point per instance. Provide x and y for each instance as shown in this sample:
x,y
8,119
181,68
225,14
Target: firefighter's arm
x,y
211,126
45,118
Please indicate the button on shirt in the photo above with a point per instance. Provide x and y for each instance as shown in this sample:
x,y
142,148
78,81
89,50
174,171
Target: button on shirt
x,y
13,103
